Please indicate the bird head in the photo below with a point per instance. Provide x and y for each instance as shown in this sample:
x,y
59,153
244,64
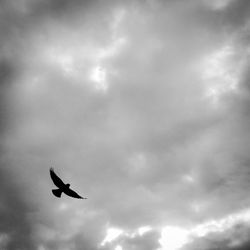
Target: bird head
x,y
67,185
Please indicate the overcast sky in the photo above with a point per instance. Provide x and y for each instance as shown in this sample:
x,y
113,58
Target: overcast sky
x,y
143,106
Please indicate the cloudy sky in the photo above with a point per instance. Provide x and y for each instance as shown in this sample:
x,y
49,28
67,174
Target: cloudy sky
x,y
143,106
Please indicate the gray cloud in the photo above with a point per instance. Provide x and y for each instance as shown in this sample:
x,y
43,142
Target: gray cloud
x,y
152,149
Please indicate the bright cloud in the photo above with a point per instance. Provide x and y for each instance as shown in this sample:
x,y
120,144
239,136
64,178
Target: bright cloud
x,y
220,73
221,224
98,75
173,238
143,230
118,247
112,234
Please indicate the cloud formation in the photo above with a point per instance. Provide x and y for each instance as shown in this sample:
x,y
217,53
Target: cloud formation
x,y
142,105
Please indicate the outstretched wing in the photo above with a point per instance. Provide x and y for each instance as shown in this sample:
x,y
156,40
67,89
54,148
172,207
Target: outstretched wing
x,y
57,181
72,193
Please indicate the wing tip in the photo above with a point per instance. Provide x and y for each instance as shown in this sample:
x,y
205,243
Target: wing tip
x,y
80,197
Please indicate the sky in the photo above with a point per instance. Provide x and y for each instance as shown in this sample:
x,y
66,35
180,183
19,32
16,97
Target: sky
x,y
142,106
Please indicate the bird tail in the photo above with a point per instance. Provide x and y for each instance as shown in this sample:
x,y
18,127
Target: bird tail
x,y
57,192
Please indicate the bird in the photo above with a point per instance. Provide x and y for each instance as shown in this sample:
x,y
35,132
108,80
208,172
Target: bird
x,y
62,187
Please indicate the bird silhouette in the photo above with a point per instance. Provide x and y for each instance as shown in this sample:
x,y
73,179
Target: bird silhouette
x,y
62,187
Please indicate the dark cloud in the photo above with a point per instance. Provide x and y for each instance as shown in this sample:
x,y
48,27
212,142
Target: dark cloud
x,y
236,14
5,78
15,213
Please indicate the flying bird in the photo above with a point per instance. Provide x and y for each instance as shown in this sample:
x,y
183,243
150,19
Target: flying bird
x,y
62,187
